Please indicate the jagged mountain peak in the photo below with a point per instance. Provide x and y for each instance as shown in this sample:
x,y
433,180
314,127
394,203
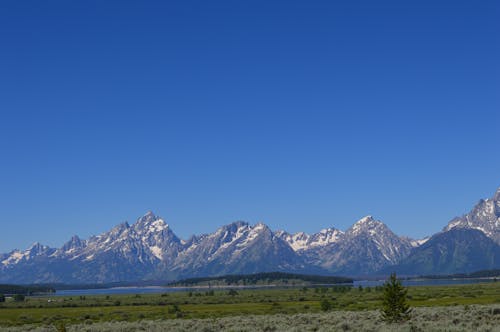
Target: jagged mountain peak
x,y
496,197
120,228
297,241
230,229
149,215
327,230
150,223
72,245
373,238
302,241
326,236
35,245
237,224
37,248
148,249
365,220
366,224
281,233
260,224
484,216
260,227
240,227
301,235
148,218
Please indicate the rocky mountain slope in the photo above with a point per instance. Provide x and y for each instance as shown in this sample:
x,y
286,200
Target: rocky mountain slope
x,y
459,250
485,216
366,247
150,250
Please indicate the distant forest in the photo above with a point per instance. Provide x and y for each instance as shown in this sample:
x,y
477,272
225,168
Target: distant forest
x,y
478,274
267,278
25,290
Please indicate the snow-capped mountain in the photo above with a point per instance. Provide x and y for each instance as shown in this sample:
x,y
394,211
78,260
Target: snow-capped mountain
x,y
18,256
74,245
391,246
467,244
126,252
485,216
364,248
458,250
302,241
150,250
237,248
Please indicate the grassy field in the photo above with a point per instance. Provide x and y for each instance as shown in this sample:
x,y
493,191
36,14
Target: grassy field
x,y
183,307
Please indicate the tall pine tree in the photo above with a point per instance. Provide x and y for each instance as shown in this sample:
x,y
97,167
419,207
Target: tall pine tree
x,y
394,303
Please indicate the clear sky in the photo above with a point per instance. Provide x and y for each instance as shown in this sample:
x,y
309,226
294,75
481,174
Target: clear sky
x,y
299,114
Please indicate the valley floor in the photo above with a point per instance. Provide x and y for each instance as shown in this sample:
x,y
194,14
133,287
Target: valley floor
x,y
456,318
436,308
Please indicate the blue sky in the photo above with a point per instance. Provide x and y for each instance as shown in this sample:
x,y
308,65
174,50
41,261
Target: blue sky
x,y
300,114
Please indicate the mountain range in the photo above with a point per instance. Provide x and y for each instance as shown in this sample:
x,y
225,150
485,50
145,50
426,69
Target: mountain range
x,y
150,250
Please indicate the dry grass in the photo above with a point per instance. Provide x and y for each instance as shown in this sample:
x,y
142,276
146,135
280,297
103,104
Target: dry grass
x,y
451,318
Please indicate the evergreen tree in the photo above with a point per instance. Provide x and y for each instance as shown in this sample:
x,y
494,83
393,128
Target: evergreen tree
x,y
394,304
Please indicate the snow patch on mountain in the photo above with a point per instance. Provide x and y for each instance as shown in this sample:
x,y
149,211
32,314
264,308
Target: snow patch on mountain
x,y
35,250
485,216
419,242
13,258
301,241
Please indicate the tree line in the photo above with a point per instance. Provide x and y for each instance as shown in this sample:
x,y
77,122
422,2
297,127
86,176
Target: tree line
x,y
25,290
265,277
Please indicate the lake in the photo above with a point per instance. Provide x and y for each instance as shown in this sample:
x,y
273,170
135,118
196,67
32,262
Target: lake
x,y
159,289
422,282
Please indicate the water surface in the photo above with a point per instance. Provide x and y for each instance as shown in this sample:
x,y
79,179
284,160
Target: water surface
x,y
159,289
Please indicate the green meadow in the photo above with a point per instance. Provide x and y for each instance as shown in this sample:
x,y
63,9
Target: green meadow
x,y
54,312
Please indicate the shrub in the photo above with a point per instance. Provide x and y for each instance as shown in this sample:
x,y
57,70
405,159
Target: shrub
x,y
325,305
19,297
60,327
345,327
174,309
